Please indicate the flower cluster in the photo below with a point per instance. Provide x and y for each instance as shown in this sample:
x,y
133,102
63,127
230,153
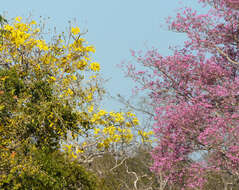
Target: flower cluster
x,y
195,95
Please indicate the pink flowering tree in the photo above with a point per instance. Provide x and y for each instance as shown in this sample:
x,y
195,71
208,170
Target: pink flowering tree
x,y
195,93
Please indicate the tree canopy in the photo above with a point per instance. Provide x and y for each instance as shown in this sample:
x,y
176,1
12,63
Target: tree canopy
x,y
50,92
195,95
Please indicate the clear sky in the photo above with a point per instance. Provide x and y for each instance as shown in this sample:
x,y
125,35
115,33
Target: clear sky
x,y
114,27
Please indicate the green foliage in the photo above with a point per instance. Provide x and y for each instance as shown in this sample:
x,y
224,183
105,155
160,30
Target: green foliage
x,y
32,108
2,20
29,143
50,170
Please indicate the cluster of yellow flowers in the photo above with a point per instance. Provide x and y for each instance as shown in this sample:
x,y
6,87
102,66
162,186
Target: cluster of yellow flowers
x,y
117,127
95,66
145,136
110,128
61,57
75,30
23,45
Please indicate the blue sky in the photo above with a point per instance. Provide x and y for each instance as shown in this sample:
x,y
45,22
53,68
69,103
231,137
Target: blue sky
x,y
114,27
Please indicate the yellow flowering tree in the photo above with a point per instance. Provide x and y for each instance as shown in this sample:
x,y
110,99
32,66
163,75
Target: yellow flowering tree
x,y
49,94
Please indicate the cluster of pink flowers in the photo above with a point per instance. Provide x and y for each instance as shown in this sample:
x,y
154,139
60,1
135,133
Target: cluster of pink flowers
x,y
195,93
234,4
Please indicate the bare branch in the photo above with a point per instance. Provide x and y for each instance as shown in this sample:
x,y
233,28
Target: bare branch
x,y
134,173
225,55
117,165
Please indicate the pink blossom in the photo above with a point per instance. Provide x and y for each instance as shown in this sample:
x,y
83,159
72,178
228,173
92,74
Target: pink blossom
x,y
196,94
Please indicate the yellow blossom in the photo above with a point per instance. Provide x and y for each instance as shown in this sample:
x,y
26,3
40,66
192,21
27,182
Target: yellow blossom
x,y
81,64
90,108
18,19
78,151
53,78
89,97
69,92
74,77
92,77
96,131
129,114
95,66
128,124
135,121
90,49
73,155
42,45
75,30
102,112
33,22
